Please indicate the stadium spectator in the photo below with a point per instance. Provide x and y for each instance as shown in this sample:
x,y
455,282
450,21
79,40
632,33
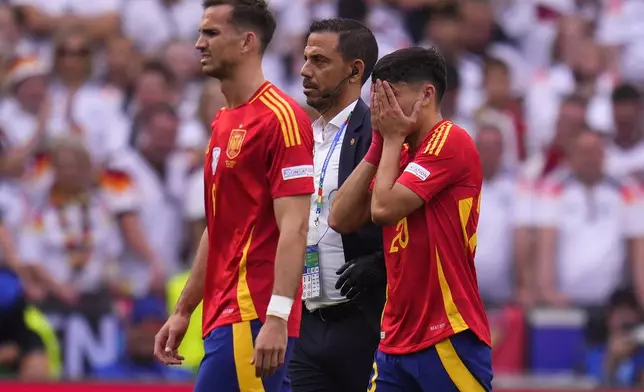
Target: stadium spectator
x,y
71,241
625,155
618,360
137,362
586,219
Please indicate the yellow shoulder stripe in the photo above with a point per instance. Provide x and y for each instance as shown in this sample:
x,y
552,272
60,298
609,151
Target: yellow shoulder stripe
x,y
261,92
280,118
289,116
436,142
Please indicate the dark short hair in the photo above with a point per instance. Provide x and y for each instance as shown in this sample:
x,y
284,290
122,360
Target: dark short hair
x,y
575,99
157,67
355,41
413,65
626,93
252,14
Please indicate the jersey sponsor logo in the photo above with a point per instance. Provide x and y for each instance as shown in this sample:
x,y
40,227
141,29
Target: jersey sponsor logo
x,y
235,143
293,172
417,170
215,159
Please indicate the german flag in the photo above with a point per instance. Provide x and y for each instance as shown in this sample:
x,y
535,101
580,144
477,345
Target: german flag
x,y
115,180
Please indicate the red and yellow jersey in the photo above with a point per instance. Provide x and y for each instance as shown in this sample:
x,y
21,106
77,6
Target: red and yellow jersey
x,y
432,290
258,152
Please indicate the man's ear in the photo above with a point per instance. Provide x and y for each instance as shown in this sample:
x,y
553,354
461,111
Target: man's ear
x,y
249,42
429,95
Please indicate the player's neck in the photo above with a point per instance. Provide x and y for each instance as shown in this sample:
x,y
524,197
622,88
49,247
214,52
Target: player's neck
x,y
339,104
239,88
416,139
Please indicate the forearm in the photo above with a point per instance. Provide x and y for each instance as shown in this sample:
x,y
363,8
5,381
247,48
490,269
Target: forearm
x,y
637,255
351,207
289,260
546,260
193,291
387,174
133,234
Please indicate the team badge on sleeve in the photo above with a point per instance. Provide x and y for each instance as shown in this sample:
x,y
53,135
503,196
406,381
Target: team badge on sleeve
x,y
215,159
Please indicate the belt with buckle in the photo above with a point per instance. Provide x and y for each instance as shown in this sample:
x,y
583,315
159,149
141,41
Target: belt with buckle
x,y
336,312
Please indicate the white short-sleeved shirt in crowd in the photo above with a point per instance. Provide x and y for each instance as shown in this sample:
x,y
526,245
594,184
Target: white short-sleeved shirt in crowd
x,y
151,24
621,163
593,225
95,110
497,222
543,100
194,206
620,24
44,238
159,204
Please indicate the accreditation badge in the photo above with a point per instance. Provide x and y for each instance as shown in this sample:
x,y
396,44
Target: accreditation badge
x,y
311,274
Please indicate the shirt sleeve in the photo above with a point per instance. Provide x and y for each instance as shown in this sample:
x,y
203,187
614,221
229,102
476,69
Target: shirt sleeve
x,y
290,157
119,191
548,201
30,240
428,174
633,202
194,208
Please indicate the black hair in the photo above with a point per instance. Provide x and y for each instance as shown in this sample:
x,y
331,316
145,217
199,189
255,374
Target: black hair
x,y
413,65
355,41
626,93
157,67
143,118
251,14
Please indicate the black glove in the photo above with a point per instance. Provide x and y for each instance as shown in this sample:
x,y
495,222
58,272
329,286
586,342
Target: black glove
x,y
359,274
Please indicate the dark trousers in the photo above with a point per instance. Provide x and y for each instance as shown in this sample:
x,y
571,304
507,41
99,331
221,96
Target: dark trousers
x,y
334,352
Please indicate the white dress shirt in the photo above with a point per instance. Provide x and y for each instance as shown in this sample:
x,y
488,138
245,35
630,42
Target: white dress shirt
x,y
330,249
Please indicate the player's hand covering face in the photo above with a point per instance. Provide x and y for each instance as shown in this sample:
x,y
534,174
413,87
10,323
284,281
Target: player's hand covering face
x,y
388,116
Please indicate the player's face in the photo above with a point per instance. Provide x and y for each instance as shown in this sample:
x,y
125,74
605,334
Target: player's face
x,y
219,43
323,70
407,94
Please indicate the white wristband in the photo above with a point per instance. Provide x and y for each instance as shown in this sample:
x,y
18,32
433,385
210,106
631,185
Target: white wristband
x,y
280,307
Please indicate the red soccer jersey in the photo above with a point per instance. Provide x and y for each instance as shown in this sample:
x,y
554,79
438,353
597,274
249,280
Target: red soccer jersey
x,y
432,291
259,151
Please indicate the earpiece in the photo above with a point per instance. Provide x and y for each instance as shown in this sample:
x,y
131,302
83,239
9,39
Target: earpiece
x,y
354,72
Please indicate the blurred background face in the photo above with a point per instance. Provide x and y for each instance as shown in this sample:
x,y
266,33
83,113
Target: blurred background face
x,y
572,30
587,62
219,43
323,70
122,58
446,34
570,122
497,84
627,116
73,57
489,143
181,60
477,24
72,169
158,137
32,92
152,89
586,157
212,99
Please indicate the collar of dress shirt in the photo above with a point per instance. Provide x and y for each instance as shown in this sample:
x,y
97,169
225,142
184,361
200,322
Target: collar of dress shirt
x,y
322,129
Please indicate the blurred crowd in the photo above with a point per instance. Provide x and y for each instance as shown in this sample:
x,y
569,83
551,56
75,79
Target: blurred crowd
x,y
104,118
